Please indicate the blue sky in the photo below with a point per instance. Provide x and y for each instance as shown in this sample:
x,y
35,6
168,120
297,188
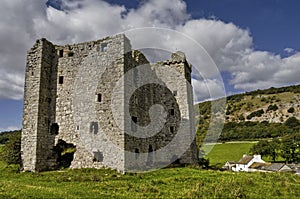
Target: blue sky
x,y
254,43
274,24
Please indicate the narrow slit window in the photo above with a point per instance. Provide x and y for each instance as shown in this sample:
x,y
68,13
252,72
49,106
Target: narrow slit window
x,y
99,97
137,151
172,112
134,123
61,79
150,149
61,53
172,129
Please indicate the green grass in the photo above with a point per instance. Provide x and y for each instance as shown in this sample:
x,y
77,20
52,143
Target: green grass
x,y
165,183
228,152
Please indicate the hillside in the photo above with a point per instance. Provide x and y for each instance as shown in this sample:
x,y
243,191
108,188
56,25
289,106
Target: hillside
x,y
4,136
256,114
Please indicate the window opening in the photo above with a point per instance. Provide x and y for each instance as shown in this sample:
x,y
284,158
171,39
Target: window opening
x,y
99,97
54,129
172,129
172,112
136,151
150,155
133,123
98,156
61,53
94,127
61,79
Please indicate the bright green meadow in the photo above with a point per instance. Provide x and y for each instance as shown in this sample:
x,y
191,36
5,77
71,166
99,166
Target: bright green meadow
x,y
165,183
230,151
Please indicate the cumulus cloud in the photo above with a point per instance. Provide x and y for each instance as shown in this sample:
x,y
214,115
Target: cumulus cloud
x,y
16,36
229,46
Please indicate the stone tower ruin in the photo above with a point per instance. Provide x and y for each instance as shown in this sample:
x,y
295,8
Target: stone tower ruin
x,y
109,104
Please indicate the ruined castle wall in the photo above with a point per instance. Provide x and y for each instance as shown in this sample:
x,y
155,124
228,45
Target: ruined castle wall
x,y
89,94
184,98
172,91
37,139
89,70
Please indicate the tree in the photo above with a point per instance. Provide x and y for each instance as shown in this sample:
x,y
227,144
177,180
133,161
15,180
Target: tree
x,y
203,162
274,147
292,122
265,148
290,150
262,148
11,152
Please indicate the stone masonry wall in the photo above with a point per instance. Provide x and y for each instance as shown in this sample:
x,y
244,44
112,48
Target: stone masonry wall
x,y
73,91
38,108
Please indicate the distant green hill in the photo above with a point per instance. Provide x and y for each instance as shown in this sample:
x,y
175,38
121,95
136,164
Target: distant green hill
x,y
5,135
255,115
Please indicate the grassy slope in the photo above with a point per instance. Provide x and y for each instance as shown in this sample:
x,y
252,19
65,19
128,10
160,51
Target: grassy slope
x,y
164,183
228,152
244,104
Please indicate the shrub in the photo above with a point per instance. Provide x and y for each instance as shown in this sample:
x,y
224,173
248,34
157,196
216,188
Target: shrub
x,y
11,151
292,122
291,110
255,114
272,107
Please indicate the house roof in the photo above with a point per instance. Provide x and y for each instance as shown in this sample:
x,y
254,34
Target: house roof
x,y
245,159
259,165
275,166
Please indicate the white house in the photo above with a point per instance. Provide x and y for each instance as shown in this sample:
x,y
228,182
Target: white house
x,y
246,161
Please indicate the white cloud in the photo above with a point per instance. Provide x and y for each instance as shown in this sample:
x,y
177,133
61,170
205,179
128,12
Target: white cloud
x,y
80,20
16,36
289,50
207,90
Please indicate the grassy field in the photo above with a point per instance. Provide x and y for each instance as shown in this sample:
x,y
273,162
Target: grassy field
x,y
228,152
232,151
164,183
